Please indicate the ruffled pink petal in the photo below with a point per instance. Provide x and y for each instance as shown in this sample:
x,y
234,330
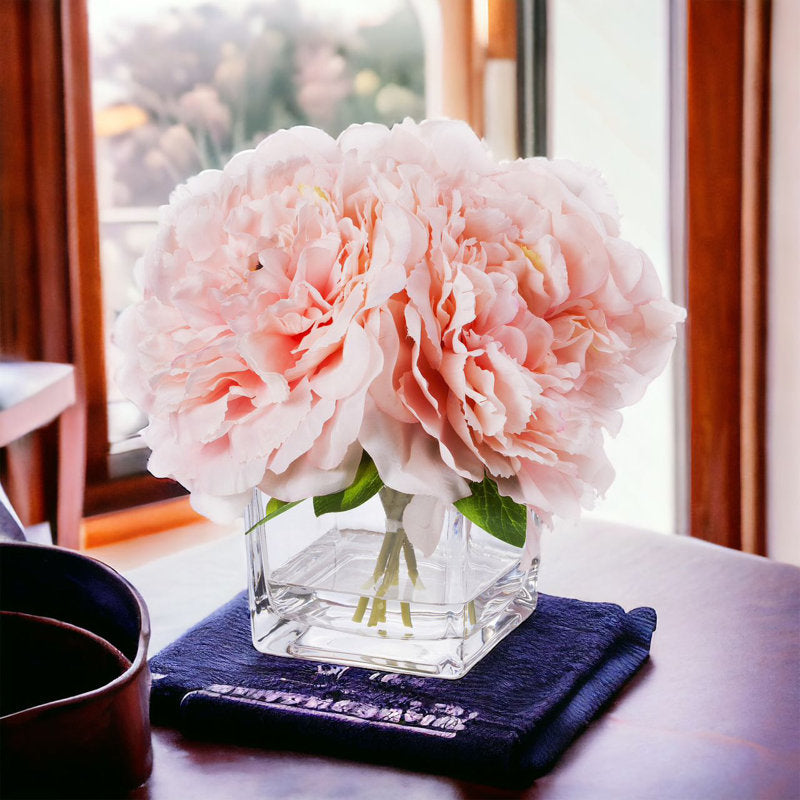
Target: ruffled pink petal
x,y
302,479
408,460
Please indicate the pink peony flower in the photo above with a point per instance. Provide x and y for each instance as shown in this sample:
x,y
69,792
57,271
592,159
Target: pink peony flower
x,y
526,326
250,351
395,291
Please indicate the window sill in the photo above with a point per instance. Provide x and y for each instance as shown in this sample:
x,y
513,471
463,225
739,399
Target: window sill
x,y
138,536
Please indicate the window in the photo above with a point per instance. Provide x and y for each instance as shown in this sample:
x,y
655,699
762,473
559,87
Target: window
x,y
50,224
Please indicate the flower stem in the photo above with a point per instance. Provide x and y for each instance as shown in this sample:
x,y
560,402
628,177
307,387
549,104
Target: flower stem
x,y
394,504
411,560
386,574
378,612
361,609
383,556
391,573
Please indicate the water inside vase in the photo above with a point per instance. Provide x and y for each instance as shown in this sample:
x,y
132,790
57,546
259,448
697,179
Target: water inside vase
x,y
327,601
332,584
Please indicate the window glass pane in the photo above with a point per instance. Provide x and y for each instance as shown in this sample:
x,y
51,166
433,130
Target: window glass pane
x,y
180,85
609,108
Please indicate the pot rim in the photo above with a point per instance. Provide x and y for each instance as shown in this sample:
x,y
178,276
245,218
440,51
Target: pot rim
x,y
121,681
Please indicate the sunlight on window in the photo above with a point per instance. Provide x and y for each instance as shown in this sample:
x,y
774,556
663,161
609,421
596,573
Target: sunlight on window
x,y
609,109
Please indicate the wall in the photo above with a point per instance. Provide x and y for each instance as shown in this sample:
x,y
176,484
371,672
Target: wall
x,y
783,349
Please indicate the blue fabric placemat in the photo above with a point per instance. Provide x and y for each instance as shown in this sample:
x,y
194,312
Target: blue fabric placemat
x,y
504,723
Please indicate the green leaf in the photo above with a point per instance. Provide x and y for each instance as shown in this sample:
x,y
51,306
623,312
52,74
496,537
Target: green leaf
x,y
367,483
496,514
274,507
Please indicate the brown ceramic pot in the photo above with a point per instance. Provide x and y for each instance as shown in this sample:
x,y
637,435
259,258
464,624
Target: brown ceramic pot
x,y
75,689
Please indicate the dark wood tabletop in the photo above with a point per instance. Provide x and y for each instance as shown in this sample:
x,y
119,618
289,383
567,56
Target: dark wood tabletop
x,y
715,713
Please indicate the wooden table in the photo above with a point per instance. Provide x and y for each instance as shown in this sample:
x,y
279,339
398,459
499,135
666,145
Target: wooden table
x,y
33,394
714,714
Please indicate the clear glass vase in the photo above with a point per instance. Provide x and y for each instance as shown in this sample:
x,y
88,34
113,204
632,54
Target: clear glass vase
x,y
350,588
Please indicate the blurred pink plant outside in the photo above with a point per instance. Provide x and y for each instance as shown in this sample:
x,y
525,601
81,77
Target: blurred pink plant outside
x,y
395,292
322,80
201,108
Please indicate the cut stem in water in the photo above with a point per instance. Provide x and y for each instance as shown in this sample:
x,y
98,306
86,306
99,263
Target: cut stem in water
x,y
386,574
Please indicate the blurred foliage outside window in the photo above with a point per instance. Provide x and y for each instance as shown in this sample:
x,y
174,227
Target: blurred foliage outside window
x,y
181,85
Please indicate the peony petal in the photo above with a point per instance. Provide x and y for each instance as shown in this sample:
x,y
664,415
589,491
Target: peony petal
x,y
586,257
423,520
396,361
407,459
220,509
302,479
352,369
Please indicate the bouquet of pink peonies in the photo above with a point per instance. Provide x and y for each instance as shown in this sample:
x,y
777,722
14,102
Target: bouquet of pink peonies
x,y
323,318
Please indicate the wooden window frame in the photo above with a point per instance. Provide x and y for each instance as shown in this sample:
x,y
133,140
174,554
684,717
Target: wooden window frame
x,y
727,106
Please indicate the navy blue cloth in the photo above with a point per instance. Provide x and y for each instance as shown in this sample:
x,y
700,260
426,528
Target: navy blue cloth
x,y
504,723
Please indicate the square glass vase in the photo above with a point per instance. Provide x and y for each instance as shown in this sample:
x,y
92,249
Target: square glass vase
x,y
350,588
